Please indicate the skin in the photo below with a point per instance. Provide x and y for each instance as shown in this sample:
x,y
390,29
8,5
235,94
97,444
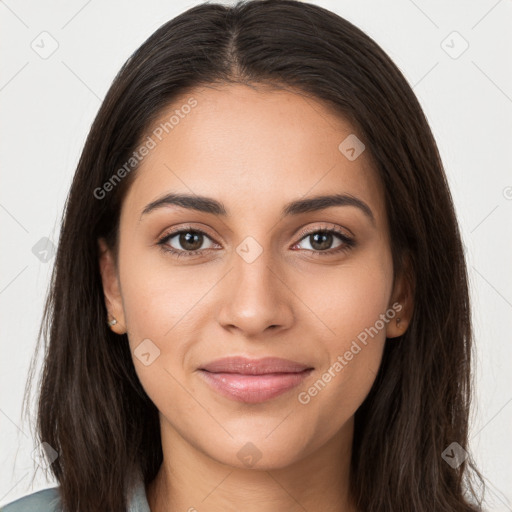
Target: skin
x,y
254,150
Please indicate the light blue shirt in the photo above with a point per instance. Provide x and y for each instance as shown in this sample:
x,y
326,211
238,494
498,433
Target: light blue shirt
x,y
48,500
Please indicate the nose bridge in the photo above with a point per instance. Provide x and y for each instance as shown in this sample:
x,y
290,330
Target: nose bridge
x,y
254,297
254,274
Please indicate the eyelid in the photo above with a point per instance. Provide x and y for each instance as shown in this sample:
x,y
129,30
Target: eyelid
x,y
185,228
326,227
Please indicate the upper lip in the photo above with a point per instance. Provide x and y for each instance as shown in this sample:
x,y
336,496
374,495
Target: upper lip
x,y
246,366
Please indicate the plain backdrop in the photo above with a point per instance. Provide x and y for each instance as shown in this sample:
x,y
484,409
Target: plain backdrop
x,y
455,55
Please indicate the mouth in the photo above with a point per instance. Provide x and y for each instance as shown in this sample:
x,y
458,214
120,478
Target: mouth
x,y
253,381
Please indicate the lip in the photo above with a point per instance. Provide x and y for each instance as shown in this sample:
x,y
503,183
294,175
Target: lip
x,y
254,380
246,366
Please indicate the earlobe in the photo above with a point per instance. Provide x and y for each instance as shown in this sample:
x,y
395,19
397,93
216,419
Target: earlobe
x,y
111,289
402,302
398,325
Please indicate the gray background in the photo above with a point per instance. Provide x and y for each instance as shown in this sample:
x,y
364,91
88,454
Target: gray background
x,y
48,103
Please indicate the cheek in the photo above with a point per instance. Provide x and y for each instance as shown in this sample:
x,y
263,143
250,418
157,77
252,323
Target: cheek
x,y
354,305
342,384
157,295
349,298
166,311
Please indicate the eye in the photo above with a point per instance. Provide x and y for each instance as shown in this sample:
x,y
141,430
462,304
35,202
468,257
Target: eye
x,y
321,241
186,242
190,241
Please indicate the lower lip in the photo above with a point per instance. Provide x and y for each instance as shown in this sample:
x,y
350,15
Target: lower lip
x,y
253,388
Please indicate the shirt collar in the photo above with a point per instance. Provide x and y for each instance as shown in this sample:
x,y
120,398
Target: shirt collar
x,y
137,499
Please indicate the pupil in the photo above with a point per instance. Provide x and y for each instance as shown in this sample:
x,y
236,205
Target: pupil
x,y
191,241
324,243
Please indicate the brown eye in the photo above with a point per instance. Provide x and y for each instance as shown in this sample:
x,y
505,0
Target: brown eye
x,y
326,241
186,241
321,240
190,241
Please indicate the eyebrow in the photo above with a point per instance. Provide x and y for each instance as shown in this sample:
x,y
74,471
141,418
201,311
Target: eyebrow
x,y
210,205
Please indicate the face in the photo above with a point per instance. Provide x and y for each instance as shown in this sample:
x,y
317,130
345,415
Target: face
x,y
246,274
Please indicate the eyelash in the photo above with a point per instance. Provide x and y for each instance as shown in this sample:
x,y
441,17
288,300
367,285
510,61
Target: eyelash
x,y
348,243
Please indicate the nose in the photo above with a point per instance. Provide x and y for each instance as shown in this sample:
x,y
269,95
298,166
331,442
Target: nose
x,y
255,298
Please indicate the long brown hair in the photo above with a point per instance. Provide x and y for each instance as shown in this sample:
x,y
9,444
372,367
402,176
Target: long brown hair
x,y
92,408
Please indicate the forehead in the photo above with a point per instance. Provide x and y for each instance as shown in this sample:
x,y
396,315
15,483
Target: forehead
x,y
253,149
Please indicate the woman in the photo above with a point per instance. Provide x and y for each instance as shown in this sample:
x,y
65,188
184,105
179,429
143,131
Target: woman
x,y
260,298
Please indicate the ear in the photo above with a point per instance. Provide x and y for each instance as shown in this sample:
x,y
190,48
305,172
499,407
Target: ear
x,y
402,302
111,287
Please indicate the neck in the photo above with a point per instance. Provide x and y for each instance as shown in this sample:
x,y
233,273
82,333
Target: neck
x,y
190,480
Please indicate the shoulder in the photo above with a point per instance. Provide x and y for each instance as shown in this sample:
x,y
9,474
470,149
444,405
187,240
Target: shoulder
x,y
47,500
